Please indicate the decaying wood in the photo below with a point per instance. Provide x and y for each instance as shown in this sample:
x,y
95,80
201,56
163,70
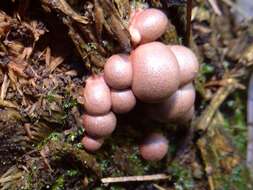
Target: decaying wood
x,y
63,6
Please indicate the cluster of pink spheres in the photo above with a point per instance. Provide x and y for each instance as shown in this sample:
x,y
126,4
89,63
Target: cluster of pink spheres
x,y
153,73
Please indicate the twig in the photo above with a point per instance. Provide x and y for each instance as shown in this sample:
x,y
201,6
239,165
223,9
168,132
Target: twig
x,y
158,187
215,7
229,85
4,87
154,177
10,178
5,103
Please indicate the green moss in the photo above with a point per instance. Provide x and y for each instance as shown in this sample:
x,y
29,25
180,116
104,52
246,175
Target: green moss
x,y
182,177
54,136
235,120
206,70
239,179
59,184
72,172
117,188
136,164
69,103
72,136
50,97
104,164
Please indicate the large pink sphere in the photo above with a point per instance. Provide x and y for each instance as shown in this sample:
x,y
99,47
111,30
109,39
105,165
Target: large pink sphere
x,y
156,72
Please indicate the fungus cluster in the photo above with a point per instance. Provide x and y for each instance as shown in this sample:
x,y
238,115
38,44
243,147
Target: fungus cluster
x,y
156,74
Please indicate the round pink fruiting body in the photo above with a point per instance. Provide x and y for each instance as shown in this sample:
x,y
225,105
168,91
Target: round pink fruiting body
x,y
188,63
147,25
186,117
174,107
123,101
92,144
155,72
118,71
97,97
154,147
99,126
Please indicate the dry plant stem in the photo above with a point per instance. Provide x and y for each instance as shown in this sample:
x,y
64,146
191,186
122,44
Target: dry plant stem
x,y
63,6
7,179
202,143
250,125
155,177
4,87
228,86
247,56
10,114
215,7
10,178
158,187
5,103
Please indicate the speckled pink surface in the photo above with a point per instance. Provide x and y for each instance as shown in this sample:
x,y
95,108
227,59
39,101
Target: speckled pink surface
x,y
188,63
97,96
154,147
150,24
118,71
155,72
99,126
123,101
92,144
174,107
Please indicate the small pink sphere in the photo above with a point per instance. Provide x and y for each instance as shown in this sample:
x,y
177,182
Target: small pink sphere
x,y
147,25
118,71
123,101
97,96
155,72
154,147
92,144
188,63
99,126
